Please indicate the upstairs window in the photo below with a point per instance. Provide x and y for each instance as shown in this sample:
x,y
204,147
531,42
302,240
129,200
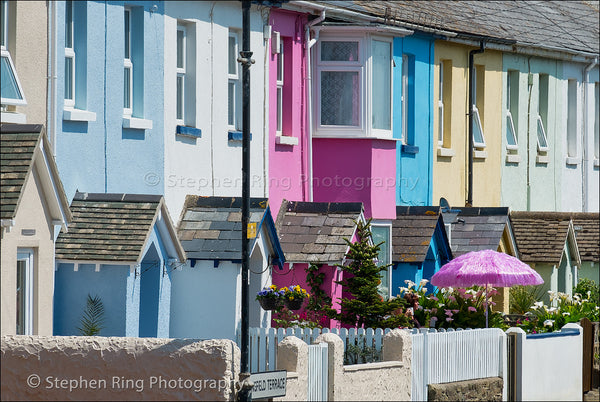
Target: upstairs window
x,y
572,111
234,87
445,104
596,123
512,108
542,113
382,233
477,116
181,70
280,84
405,97
69,56
128,66
353,85
11,90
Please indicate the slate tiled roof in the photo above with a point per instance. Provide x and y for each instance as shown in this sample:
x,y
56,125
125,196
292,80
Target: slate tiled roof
x,y
477,229
210,228
412,231
540,236
564,25
108,227
315,231
16,161
587,233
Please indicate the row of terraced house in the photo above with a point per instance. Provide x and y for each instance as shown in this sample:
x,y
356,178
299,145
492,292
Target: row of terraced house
x,y
453,126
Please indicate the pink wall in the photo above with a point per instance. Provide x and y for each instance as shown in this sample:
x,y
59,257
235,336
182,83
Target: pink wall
x,y
288,163
297,276
356,170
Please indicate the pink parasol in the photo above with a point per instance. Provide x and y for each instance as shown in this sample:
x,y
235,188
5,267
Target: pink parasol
x,y
485,268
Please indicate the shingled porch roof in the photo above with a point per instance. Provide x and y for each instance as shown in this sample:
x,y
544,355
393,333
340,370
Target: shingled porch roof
x,y
541,236
315,231
115,228
210,228
412,232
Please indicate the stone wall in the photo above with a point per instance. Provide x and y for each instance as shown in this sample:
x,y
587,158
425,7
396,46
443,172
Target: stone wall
x,y
484,389
103,368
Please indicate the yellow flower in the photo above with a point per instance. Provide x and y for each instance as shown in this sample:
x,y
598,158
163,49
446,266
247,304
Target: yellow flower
x,y
273,287
291,297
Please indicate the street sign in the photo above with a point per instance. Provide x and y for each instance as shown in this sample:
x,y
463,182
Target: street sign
x,y
269,384
252,230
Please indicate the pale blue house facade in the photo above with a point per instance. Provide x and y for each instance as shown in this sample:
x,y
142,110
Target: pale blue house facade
x,y
109,96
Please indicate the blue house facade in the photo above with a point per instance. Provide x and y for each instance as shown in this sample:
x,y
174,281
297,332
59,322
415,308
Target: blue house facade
x,y
109,96
122,248
420,245
413,119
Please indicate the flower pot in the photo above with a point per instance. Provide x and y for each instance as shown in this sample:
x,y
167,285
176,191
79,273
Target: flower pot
x,y
269,303
295,304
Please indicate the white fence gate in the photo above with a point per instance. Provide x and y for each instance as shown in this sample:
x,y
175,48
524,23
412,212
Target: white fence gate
x,y
448,356
317,372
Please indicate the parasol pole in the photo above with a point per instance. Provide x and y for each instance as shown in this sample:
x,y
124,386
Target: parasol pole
x,y
486,305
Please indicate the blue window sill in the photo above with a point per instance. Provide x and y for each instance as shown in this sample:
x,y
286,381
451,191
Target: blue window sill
x,y
410,149
236,136
189,131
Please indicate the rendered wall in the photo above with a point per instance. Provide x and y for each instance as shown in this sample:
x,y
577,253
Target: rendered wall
x,y
414,171
211,165
32,214
28,41
450,172
101,155
288,163
98,368
356,170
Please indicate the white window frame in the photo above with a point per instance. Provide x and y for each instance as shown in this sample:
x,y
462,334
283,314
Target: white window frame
x,y
128,66
379,132
388,245
280,80
596,122
70,54
540,125
475,114
572,118
181,71
4,36
234,79
441,106
404,99
26,255
4,53
357,66
510,125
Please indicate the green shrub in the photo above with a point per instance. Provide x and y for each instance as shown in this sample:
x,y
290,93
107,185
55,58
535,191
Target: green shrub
x,y
523,297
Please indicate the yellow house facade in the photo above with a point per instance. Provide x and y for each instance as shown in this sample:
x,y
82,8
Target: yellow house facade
x,y
451,125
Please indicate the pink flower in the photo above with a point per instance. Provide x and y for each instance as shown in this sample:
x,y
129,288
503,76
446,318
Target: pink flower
x,y
452,298
468,296
455,311
471,308
448,313
449,319
434,298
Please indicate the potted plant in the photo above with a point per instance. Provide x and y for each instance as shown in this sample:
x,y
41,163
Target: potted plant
x,y
294,296
270,298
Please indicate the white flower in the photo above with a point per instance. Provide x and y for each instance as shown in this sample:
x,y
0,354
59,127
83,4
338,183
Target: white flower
x,y
409,283
423,282
424,290
537,305
552,309
548,323
566,313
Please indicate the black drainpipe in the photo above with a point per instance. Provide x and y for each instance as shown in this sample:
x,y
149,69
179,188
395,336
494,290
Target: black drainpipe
x,y
469,202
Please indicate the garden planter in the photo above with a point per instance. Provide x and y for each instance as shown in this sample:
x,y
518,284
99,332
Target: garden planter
x,y
295,304
269,303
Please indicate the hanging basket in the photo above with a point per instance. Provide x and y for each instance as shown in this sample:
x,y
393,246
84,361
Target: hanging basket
x,y
269,303
295,304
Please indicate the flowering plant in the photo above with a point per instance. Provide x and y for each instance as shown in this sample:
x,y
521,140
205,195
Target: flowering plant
x,y
294,292
270,292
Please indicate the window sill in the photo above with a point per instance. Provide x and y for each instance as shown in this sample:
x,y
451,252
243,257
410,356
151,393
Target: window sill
x,y
512,158
446,152
13,117
187,131
236,136
479,154
596,163
135,123
410,149
544,159
78,115
286,140
572,161
355,137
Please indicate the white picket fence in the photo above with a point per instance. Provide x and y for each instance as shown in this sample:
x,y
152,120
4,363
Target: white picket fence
x,y
264,341
437,356
449,356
